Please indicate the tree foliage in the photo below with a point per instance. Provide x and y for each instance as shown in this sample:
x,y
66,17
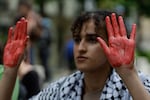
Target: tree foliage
x,y
144,7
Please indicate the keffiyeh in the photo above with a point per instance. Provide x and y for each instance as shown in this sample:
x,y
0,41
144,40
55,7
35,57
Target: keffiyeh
x,y
70,88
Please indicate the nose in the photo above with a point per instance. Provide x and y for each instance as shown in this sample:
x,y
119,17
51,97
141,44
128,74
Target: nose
x,y
82,46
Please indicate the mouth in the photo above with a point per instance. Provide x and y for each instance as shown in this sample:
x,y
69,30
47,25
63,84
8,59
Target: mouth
x,y
81,58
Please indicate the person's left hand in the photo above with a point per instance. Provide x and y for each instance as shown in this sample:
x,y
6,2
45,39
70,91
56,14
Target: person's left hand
x,y
120,49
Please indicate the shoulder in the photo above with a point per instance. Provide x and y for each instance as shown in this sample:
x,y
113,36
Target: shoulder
x,y
115,86
53,89
145,80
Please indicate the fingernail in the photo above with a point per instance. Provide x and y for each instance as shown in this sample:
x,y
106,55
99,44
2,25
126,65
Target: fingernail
x,y
113,14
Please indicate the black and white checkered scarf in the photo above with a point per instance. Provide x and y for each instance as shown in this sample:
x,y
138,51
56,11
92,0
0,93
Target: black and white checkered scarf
x,y
70,88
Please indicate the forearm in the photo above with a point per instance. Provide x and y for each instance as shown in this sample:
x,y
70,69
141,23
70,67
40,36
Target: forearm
x,y
7,83
134,85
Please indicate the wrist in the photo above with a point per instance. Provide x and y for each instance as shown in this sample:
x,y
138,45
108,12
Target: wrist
x,y
10,72
126,71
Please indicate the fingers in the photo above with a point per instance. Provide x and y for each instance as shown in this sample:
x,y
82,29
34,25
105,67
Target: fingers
x,y
23,32
113,28
109,27
23,28
133,32
115,25
16,31
20,31
10,35
103,45
122,26
25,41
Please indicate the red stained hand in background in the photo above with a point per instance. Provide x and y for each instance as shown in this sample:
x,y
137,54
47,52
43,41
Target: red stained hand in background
x,y
120,49
16,44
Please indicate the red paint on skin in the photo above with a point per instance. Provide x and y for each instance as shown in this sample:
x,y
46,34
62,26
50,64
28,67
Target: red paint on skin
x,y
16,44
120,49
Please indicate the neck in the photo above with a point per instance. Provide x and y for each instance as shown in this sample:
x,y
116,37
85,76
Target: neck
x,y
95,81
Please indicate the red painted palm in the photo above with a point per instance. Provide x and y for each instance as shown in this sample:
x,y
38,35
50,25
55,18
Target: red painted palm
x,y
120,48
16,44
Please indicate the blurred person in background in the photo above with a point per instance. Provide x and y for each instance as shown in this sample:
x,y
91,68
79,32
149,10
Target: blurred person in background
x,y
34,25
68,54
103,54
29,77
40,35
44,46
29,80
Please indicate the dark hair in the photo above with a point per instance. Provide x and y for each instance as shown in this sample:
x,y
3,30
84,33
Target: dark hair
x,y
99,19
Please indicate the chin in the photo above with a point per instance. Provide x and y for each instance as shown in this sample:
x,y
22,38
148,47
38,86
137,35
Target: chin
x,y
84,68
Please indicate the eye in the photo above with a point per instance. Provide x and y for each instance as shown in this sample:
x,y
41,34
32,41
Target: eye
x,y
91,39
77,40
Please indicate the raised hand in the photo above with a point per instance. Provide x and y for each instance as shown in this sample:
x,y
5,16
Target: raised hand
x,y
120,49
16,44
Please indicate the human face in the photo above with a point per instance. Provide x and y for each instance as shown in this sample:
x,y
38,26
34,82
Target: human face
x,y
89,55
23,10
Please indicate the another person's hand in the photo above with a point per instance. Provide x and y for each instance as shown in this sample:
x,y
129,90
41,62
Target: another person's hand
x,y
16,44
120,48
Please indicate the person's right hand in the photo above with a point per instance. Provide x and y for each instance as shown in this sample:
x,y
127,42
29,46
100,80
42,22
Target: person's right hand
x,y
16,44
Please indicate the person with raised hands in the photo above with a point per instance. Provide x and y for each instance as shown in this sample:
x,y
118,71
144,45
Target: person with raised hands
x,y
104,57
13,54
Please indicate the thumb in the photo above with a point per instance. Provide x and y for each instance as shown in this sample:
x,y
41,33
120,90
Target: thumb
x,y
103,45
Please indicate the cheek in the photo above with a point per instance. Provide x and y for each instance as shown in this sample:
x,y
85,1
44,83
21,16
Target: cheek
x,y
98,55
74,50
